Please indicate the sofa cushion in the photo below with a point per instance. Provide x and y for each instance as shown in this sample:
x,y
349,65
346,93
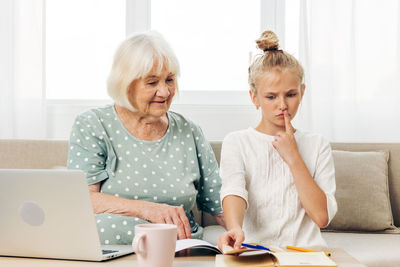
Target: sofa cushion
x,y
362,192
394,169
33,154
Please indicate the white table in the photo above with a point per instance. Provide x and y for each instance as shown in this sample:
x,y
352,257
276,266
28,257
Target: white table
x,y
341,257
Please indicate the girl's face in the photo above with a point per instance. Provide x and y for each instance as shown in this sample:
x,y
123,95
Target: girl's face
x,y
277,92
153,94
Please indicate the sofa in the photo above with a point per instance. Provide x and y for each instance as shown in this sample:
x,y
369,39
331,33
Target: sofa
x,y
368,194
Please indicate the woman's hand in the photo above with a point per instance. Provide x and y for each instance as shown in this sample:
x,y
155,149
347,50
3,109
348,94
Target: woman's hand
x,y
233,238
220,219
285,143
149,211
145,210
163,213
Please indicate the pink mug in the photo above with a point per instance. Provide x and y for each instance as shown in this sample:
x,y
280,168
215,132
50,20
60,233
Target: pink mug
x,y
154,244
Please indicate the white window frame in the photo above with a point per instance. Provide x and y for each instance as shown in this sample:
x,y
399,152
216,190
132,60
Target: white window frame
x,y
138,18
138,15
201,106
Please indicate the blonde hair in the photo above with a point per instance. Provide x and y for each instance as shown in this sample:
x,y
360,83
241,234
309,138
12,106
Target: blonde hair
x,y
134,59
273,59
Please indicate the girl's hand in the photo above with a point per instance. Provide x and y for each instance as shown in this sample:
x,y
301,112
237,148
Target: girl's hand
x,y
233,238
163,213
285,143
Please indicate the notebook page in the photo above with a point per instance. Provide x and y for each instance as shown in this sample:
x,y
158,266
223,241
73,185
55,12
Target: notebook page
x,y
304,259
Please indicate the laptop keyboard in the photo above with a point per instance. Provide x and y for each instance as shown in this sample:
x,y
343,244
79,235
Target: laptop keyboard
x,y
108,251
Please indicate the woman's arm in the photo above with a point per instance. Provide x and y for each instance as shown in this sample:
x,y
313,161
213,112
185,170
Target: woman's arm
x,y
149,211
89,151
312,198
220,219
208,185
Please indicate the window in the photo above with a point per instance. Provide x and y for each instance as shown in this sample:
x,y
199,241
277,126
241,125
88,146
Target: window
x,y
58,53
213,40
81,38
292,21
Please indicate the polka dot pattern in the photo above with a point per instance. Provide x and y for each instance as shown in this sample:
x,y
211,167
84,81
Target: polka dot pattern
x,y
178,169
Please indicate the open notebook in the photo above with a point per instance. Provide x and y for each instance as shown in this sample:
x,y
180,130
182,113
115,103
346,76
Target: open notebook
x,y
48,214
274,259
230,257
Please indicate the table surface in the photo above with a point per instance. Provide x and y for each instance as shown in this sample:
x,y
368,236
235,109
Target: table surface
x,y
341,257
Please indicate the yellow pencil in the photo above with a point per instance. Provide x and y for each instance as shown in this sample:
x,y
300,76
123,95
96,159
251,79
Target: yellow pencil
x,y
307,250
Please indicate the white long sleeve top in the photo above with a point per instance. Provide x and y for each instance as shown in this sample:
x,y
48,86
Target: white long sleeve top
x,y
253,169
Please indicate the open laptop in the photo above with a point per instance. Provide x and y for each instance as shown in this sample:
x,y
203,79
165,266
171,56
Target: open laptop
x,y
48,214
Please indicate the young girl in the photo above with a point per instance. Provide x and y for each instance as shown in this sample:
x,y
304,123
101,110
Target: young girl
x,y
278,183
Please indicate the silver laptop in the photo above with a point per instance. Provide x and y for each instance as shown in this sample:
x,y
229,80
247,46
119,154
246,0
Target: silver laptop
x,y
48,214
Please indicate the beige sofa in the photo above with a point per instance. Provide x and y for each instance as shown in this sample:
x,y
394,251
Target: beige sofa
x,y
368,194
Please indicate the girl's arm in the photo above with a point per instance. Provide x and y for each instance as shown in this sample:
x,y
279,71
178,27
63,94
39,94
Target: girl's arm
x,y
234,209
312,198
233,191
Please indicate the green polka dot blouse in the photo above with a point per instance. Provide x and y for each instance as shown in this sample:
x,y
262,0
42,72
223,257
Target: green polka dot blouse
x,y
178,169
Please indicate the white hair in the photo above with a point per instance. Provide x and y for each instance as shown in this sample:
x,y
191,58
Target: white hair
x,y
134,59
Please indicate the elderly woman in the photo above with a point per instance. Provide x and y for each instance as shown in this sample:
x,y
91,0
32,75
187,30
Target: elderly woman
x,y
144,163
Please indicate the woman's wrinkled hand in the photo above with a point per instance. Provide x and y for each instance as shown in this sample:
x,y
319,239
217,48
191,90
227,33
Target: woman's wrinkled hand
x,y
285,142
163,213
233,238
220,219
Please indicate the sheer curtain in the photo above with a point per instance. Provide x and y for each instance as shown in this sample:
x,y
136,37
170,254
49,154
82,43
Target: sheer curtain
x,y
6,68
21,85
351,54
350,50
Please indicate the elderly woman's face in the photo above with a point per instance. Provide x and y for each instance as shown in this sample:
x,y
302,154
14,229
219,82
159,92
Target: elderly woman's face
x,y
152,95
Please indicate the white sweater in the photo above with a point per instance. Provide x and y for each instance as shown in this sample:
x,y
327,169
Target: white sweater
x,y
252,169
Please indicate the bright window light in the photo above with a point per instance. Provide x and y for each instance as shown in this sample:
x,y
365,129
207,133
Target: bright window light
x,y
213,40
81,38
292,21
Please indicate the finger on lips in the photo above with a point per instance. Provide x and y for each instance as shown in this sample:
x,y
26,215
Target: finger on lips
x,y
288,125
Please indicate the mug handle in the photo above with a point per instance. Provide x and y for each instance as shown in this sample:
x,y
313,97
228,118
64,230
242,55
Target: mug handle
x,y
136,244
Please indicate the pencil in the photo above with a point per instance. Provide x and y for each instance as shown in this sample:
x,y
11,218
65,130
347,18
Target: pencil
x,y
307,250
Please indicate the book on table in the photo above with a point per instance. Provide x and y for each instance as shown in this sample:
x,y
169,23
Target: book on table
x,y
251,257
195,247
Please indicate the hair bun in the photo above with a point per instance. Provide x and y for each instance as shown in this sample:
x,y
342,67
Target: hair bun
x,y
268,41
